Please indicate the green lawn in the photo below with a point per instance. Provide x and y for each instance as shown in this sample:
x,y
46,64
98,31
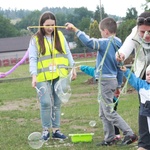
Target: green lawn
x,y
19,114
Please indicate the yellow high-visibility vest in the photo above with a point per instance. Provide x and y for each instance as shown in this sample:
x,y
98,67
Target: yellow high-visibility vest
x,y
52,64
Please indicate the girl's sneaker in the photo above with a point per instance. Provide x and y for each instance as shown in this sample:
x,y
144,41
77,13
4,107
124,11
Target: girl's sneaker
x,y
59,135
45,135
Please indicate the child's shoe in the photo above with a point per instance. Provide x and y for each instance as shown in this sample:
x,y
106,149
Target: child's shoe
x,y
59,135
45,135
109,143
129,139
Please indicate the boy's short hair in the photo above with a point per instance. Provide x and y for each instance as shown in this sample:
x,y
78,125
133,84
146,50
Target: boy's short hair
x,y
109,24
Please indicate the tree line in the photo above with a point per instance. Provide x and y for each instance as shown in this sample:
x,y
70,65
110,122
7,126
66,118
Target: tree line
x,y
15,22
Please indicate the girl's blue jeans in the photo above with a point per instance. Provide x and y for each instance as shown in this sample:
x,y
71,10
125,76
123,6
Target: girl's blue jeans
x,y
50,104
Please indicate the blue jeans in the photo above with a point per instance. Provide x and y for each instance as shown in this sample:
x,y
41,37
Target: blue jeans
x,y
50,105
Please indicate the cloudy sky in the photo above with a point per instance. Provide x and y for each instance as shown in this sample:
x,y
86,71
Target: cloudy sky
x,y
114,7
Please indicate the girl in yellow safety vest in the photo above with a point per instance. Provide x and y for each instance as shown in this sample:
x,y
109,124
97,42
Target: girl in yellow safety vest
x,y
49,57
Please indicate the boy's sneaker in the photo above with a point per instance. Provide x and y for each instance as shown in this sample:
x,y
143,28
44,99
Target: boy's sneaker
x,y
129,139
45,135
104,143
59,135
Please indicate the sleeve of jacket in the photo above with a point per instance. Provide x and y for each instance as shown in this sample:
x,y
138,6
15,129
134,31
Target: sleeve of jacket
x,y
128,45
133,80
88,70
119,77
92,43
69,54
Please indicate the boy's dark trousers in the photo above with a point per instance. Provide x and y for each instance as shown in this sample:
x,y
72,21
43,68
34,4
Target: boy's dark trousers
x,y
115,108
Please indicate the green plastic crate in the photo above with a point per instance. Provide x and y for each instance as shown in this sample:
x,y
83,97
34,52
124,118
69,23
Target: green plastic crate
x,y
85,137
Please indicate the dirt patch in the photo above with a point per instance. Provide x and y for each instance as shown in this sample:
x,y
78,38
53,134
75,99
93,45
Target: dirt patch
x,y
18,105
25,103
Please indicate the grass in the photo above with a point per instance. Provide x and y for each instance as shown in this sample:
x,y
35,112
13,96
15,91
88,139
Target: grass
x,y
19,114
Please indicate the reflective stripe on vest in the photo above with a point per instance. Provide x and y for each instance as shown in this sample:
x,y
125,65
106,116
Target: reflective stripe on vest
x,y
45,61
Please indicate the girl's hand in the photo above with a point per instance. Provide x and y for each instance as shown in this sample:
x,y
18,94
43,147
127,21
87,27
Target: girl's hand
x,y
2,75
74,74
34,81
123,68
78,67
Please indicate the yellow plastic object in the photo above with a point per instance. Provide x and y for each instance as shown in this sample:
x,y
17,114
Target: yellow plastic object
x,y
85,137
